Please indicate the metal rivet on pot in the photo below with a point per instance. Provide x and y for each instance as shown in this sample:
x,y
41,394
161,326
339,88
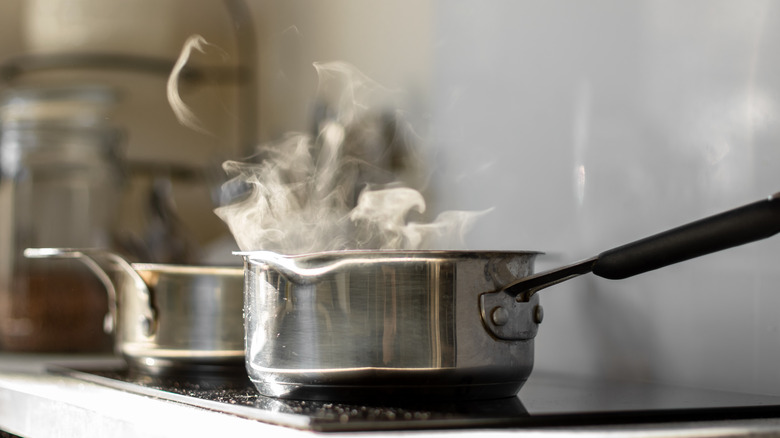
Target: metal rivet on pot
x,y
538,314
147,326
108,323
499,316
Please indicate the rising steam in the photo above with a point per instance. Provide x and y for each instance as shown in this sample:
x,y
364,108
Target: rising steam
x,y
354,184
348,187
183,113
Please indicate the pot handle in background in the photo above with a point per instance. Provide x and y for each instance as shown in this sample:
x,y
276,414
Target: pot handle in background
x,y
739,226
101,262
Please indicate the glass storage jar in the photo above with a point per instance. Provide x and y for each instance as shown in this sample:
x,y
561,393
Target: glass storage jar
x,y
60,182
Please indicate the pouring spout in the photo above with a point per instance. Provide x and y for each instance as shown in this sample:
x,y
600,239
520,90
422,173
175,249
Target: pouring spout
x,y
290,268
284,265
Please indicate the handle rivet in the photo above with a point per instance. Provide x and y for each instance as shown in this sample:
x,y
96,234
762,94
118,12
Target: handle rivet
x,y
538,314
499,316
146,325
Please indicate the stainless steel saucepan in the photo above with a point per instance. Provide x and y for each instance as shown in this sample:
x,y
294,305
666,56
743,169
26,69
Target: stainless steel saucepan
x,y
168,318
350,325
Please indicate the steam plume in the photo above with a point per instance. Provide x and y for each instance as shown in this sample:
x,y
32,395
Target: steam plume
x,y
183,113
350,186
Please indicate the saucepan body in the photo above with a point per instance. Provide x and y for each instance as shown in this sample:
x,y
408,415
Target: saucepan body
x,y
361,324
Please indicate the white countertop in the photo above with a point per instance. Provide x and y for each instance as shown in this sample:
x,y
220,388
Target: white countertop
x,y
34,404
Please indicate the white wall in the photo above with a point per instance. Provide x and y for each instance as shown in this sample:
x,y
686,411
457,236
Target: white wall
x,y
589,124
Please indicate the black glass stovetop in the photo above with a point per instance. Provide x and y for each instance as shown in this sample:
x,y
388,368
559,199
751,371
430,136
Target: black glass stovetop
x,y
545,400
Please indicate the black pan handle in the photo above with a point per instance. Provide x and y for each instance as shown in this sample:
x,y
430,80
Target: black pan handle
x,y
741,225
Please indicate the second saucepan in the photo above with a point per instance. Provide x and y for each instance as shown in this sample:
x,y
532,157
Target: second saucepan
x,y
169,318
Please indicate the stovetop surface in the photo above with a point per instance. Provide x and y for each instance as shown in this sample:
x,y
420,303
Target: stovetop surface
x,y
545,400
